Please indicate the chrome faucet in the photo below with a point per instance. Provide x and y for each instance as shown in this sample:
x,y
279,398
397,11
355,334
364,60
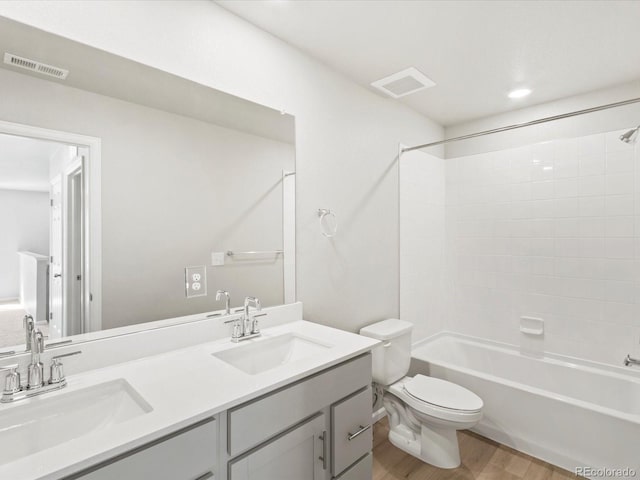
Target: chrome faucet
x,y
13,388
227,300
246,326
29,326
251,324
629,360
35,370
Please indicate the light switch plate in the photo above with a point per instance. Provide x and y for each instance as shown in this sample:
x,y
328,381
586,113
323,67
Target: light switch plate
x,y
217,259
195,281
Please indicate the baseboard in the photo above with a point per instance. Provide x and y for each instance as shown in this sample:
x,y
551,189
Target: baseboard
x,y
378,415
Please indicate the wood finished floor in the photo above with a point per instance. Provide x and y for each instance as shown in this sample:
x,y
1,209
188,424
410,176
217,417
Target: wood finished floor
x,y
482,459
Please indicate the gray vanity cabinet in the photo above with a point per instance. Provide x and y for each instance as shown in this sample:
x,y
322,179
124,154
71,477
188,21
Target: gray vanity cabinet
x,y
295,455
318,428
361,470
188,454
351,431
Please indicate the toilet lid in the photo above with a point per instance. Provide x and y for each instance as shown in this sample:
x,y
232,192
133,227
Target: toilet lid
x,y
443,394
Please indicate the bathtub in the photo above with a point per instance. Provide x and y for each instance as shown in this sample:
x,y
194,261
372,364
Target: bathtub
x,y
568,412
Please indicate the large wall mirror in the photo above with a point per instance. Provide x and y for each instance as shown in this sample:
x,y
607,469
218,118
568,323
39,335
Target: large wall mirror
x,y
117,177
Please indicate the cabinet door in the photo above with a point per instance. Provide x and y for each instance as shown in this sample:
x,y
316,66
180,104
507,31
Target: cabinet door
x,y
351,430
361,470
297,454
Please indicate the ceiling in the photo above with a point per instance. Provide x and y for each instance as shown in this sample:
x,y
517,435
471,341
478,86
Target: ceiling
x,y
475,51
24,163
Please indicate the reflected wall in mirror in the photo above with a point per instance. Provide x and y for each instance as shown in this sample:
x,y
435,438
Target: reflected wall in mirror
x,y
172,173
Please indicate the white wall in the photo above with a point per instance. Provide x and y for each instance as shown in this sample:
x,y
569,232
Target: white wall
x,y
422,243
24,225
346,136
174,189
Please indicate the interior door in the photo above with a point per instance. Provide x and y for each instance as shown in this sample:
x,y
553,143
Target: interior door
x,y
72,224
55,260
299,454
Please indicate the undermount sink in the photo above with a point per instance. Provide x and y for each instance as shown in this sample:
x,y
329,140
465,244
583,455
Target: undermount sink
x,y
44,422
267,353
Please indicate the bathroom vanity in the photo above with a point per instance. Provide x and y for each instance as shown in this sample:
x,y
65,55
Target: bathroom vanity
x,y
300,431
294,403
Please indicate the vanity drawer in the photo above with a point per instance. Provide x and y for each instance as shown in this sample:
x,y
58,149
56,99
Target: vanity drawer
x,y
351,431
362,470
253,422
189,454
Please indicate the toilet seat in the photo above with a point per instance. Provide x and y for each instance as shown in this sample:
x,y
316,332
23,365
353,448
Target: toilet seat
x,y
435,412
443,394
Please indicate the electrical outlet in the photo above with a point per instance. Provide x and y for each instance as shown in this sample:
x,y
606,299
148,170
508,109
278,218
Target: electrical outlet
x,y
195,281
217,259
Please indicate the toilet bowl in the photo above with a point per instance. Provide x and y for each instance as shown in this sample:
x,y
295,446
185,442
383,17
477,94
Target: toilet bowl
x,y
424,412
424,415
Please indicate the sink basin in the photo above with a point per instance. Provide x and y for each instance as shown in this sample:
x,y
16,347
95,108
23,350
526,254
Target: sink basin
x,y
43,422
265,354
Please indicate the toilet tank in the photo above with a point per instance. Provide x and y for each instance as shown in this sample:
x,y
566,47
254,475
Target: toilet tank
x,y
392,357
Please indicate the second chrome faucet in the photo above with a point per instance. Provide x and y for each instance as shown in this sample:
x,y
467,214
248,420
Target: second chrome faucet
x,y
246,326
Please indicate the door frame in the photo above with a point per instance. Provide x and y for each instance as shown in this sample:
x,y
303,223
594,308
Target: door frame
x,y
55,183
92,195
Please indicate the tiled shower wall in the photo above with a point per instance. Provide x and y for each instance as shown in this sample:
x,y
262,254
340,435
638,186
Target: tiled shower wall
x,y
551,231
422,243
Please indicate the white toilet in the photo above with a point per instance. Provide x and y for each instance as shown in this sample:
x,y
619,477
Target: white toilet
x,y
424,412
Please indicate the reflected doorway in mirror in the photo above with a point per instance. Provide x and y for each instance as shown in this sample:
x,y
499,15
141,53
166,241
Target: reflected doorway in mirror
x,y
49,254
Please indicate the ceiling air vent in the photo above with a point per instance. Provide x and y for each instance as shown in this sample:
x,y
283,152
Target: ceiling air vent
x,y
38,67
403,83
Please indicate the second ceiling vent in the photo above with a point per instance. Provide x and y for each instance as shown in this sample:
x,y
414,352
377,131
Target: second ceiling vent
x,y
35,66
406,82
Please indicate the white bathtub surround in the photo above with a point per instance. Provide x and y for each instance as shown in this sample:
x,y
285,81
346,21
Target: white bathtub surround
x,y
160,361
552,231
422,243
568,412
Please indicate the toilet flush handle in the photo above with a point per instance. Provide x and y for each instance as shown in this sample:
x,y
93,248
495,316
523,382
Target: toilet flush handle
x,y
386,345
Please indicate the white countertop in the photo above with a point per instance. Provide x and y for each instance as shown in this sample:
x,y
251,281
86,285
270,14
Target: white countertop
x,y
183,387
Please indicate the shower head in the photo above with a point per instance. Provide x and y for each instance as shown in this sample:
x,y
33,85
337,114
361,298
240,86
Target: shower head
x,y
631,136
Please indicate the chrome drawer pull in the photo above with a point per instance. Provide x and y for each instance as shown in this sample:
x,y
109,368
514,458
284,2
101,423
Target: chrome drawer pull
x,y
323,437
205,476
359,432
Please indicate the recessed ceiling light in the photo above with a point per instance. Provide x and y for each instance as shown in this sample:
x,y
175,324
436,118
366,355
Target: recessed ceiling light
x,y
519,93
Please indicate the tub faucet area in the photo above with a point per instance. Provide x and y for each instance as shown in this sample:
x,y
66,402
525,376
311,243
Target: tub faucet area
x,y
629,360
